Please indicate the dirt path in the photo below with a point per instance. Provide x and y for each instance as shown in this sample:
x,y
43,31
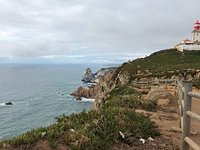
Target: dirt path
x,y
168,118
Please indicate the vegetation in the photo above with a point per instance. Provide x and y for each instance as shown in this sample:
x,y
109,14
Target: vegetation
x,y
196,83
97,129
126,97
162,63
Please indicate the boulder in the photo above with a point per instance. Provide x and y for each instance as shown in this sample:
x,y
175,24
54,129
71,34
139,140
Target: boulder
x,y
161,95
88,76
163,102
8,103
87,92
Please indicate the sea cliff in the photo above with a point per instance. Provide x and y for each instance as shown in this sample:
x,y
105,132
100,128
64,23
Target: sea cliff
x,y
167,64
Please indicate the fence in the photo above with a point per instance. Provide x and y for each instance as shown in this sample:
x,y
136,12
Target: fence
x,y
185,95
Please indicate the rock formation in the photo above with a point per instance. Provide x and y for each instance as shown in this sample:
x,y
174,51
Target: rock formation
x,y
8,103
87,92
160,95
88,76
99,90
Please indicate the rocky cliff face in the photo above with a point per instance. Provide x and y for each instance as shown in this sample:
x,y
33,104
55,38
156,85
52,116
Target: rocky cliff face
x,y
88,76
153,68
87,92
104,84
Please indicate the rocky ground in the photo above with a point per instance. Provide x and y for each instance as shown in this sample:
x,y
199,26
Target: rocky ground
x,y
168,120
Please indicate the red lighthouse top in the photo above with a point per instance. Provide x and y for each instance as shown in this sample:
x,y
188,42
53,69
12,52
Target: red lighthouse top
x,y
197,25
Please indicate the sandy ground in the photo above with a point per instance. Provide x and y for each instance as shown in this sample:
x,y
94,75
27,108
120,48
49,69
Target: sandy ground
x,y
169,118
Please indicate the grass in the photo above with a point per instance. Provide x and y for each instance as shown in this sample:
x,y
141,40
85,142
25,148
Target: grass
x,y
97,129
196,83
125,97
161,63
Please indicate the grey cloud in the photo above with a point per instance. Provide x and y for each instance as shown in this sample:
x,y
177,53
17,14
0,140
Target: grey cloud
x,y
36,28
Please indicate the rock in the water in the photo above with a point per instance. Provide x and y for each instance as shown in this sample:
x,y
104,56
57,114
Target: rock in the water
x,y
88,76
97,84
87,92
8,103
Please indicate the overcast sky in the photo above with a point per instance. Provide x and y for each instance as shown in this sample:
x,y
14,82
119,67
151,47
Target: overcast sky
x,y
92,30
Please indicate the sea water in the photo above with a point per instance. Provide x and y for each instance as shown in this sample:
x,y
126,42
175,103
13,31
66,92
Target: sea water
x,y
39,94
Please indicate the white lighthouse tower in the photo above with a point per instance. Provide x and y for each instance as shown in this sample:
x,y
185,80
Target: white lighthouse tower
x,y
196,32
193,44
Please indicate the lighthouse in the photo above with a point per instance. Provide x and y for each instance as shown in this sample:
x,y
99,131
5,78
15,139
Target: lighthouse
x,y
196,32
193,44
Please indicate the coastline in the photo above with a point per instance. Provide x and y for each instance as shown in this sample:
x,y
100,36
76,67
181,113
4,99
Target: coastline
x,y
122,113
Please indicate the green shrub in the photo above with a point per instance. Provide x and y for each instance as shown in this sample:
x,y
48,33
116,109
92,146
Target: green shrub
x,y
123,90
196,83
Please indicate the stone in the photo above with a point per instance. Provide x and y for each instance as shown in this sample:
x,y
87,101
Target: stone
x,y
88,76
87,92
161,95
158,93
122,134
72,130
43,134
150,139
163,102
8,103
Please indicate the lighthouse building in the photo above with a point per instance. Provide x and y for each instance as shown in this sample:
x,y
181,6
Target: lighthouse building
x,y
193,44
196,32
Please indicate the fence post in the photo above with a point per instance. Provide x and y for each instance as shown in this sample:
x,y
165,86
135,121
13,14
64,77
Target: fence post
x,y
181,98
186,118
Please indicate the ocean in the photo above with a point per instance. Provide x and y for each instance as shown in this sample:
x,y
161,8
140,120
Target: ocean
x,y
39,93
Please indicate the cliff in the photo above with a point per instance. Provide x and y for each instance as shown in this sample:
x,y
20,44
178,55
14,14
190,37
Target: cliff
x,y
165,64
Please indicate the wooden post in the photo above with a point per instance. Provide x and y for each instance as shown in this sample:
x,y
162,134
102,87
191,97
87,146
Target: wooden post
x,y
186,118
182,97
178,90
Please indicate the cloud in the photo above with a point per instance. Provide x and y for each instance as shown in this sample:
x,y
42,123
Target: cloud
x,y
44,28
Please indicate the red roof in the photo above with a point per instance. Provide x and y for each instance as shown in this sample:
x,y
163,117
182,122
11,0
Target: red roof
x,y
186,40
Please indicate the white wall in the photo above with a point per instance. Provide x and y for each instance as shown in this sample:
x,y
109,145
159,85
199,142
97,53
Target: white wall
x,y
196,36
188,47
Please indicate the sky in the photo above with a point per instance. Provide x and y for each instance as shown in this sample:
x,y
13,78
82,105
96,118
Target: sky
x,y
94,31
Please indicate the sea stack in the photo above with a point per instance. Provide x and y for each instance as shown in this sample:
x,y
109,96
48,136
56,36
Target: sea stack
x,y
88,76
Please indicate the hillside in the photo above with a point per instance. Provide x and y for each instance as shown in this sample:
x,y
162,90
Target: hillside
x,y
162,61
163,64
115,124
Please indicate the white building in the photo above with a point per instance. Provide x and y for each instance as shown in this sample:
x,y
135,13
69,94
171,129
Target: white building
x,y
193,44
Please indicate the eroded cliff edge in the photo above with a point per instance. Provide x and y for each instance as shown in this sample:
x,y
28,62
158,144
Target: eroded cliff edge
x,y
167,64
